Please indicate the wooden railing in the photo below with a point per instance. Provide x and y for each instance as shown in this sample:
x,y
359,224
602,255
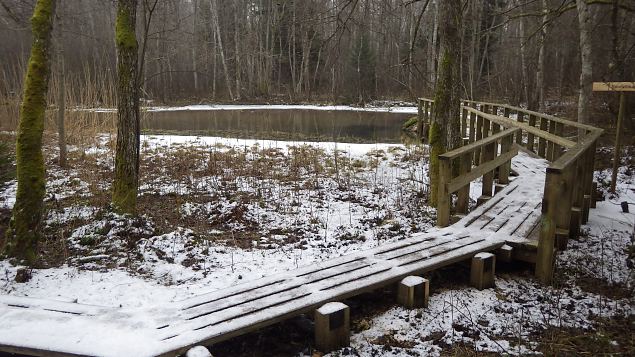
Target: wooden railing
x,y
425,109
568,145
489,159
567,199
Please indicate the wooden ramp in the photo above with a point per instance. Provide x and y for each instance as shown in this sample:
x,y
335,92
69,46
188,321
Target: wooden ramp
x,y
49,328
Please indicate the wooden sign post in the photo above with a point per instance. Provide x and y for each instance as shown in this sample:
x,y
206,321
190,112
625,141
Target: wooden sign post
x,y
616,87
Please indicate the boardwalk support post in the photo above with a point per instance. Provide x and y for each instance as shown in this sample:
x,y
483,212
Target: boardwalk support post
x,y
483,270
505,253
332,327
413,292
198,351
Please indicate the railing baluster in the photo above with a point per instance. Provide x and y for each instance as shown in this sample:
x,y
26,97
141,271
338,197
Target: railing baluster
x,y
519,136
530,136
443,198
463,198
503,174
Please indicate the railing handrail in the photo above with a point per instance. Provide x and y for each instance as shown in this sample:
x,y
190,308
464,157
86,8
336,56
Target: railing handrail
x,y
573,154
537,114
504,121
477,144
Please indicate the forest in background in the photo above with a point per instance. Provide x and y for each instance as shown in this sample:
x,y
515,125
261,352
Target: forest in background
x,y
342,51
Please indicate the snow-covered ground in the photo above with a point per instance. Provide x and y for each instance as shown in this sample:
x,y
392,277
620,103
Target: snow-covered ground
x,y
238,210
220,211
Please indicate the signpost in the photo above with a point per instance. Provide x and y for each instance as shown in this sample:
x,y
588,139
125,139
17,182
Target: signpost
x,y
616,87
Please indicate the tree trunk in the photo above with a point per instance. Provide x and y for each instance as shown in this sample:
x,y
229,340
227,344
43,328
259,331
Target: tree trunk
x,y
432,64
540,74
586,72
445,132
61,95
24,230
523,60
220,48
126,182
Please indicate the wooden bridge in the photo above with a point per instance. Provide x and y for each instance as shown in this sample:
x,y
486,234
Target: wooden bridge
x,y
513,219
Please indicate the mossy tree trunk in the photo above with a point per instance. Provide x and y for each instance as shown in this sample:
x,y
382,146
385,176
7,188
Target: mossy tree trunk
x,y
126,182
445,127
24,229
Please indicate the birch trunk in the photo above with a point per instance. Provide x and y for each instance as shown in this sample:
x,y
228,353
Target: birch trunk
x,y
61,95
540,74
586,71
219,40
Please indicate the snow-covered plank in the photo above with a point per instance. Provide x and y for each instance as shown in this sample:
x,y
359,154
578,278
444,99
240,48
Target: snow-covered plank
x,y
50,305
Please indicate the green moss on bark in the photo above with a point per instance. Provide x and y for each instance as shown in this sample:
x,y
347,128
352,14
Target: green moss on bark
x,y
125,185
24,230
125,36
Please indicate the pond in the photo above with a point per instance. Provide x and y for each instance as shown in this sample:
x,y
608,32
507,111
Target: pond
x,y
281,124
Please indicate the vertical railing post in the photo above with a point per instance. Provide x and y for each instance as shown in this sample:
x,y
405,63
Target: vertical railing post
x,y
479,136
577,198
506,145
542,143
443,198
463,198
551,145
519,135
589,163
546,242
530,136
472,133
464,123
488,154
557,149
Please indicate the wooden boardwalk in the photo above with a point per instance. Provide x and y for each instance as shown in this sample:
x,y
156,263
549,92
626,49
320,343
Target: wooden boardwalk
x,y
511,217
40,327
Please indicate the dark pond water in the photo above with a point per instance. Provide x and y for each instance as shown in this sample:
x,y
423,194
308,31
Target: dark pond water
x,y
286,124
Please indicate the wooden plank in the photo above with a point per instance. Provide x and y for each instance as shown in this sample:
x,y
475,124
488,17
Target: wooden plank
x,y
52,305
480,170
421,256
433,244
614,86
